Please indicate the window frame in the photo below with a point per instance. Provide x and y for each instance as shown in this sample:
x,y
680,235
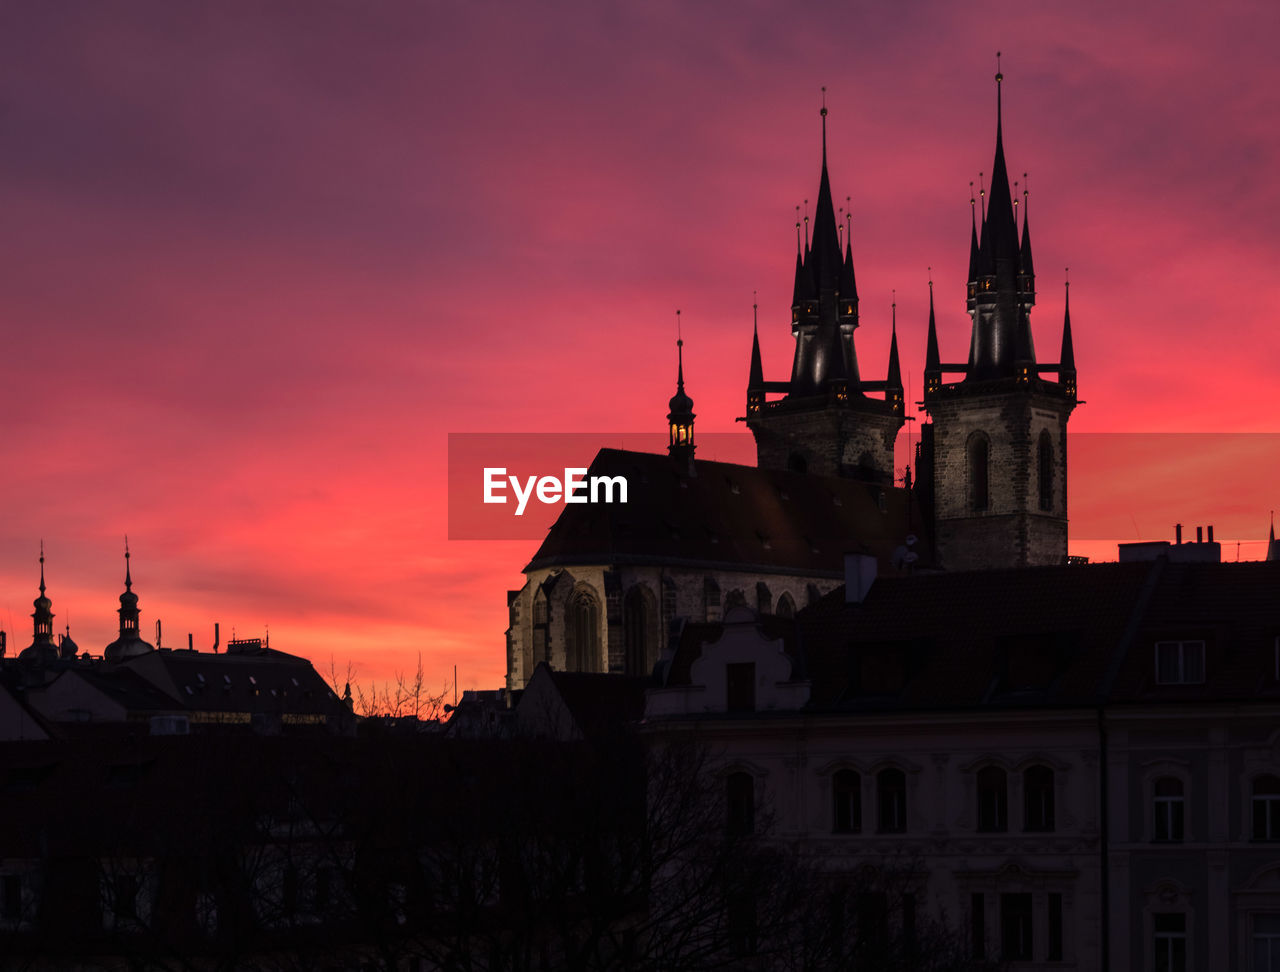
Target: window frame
x,y
1182,676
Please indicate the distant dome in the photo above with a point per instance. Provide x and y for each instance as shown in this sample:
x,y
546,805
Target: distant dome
x,y
123,649
66,647
38,653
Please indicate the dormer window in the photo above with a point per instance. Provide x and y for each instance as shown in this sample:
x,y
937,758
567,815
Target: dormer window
x,y
1179,662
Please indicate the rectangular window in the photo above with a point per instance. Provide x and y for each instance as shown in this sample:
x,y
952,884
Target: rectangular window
x,y
1055,928
1179,662
1266,943
977,927
1171,942
1015,927
740,685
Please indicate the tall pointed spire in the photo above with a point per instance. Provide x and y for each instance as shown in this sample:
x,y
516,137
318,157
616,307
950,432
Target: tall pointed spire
x,y
932,357
893,379
1000,234
1067,359
756,378
974,255
1026,266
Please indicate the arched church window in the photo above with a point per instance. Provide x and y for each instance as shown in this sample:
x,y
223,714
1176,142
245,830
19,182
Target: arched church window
x,y
582,632
710,599
979,473
786,606
640,624
1045,463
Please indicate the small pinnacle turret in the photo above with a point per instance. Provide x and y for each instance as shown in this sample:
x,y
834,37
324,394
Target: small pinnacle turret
x,y
755,378
932,357
893,392
680,415
1067,360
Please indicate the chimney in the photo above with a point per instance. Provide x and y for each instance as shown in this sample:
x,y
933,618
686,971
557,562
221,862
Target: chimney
x,y
1199,534
1211,533
1177,533
859,575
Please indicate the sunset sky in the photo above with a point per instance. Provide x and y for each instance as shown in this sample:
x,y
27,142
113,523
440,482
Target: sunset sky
x,y
260,259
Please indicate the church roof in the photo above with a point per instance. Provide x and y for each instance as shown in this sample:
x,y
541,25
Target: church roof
x,y
730,517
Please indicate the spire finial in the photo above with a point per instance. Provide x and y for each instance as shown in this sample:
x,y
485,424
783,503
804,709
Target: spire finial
x,y
42,566
930,269
823,113
755,311
999,102
128,580
679,354
894,310
1066,276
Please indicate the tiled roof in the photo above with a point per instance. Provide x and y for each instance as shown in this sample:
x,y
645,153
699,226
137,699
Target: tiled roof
x,y
1041,636
737,517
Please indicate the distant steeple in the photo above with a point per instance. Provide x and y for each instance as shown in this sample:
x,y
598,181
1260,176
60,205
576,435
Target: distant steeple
x,y
42,650
1273,547
130,643
680,416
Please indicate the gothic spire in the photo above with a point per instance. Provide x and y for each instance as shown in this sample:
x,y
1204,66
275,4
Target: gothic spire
x,y
975,256
1025,265
1000,232
756,378
1067,361
894,379
932,357
825,246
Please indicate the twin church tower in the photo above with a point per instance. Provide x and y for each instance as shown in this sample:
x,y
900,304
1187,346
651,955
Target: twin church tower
x,y
991,464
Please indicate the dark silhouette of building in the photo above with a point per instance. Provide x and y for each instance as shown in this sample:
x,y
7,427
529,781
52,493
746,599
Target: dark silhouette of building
x,y
993,460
